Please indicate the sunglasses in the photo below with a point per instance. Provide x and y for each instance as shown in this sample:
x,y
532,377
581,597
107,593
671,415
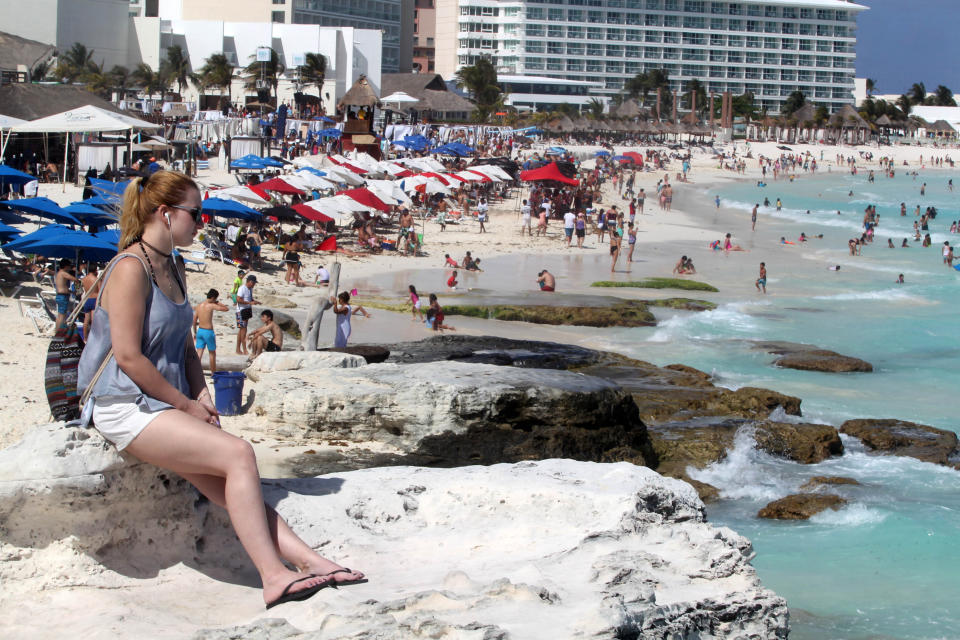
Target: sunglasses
x,y
195,212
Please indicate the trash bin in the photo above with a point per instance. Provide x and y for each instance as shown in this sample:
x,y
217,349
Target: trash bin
x,y
228,387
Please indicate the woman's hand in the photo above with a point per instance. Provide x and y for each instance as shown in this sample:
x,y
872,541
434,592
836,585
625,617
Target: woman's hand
x,y
206,402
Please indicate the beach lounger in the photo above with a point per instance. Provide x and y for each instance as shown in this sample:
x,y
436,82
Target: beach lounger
x,y
13,288
213,249
34,308
196,261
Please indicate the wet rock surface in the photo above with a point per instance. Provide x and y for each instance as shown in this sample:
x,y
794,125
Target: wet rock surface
x,y
800,506
623,314
810,358
828,481
902,438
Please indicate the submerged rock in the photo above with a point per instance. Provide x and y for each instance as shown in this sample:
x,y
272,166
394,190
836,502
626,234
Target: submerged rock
x,y
809,358
828,481
800,506
902,438
536,550
624,314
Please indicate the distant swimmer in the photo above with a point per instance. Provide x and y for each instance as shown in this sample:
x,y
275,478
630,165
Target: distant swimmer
x,y
903,209
717,200
834,268
783,240
923,189
779,204
890,243
762,280
766,202
905,245
899,279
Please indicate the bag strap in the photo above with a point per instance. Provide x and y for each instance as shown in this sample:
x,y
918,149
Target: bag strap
x,y
86,294
106,358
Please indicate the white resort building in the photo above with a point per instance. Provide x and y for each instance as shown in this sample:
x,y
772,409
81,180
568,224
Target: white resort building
x,y
768,48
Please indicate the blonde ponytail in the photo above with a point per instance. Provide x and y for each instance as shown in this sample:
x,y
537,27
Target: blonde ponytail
x,y
144,195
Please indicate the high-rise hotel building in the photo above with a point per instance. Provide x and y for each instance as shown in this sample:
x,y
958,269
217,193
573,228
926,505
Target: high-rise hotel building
x,y
768,48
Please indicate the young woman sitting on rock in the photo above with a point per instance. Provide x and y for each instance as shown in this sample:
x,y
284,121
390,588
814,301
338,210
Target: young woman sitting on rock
x,y
151,398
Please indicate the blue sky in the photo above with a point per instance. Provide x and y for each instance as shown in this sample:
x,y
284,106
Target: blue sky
x,y
900,42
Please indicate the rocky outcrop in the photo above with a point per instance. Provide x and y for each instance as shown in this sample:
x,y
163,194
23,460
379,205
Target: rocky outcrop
x,y
536,550
902,438
828,481
804,442
304,361
623,314
452,413
809,358
371,353
800,506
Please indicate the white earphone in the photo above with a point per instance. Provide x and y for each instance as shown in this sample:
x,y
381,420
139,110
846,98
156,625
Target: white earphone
x,y
167,216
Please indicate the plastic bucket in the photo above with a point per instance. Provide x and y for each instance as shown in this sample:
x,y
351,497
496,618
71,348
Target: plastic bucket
x,y
228,389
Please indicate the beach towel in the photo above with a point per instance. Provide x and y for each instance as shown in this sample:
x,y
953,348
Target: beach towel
x,y
330,244
60,374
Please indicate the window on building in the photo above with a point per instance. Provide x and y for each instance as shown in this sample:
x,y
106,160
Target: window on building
x,y
279,1
652,20
575,32
653,5
595,16
575,15
614,34
534,13
595,33
671,5
595,50
735,9
790,13
278,16
671,21
554,31
574,65
716,24
653,36
614,51
735,25
555,14
555,48
614,17
693,6
771,43
575,48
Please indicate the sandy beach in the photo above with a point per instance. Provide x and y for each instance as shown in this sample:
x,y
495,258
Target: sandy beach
x,y
662,238
511,263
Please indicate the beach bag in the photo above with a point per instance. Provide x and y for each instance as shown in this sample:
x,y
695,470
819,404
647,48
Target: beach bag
x,y
63,358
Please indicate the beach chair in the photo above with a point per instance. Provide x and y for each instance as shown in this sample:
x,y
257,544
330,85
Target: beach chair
x,y
13,288
196,261
213,248
34,308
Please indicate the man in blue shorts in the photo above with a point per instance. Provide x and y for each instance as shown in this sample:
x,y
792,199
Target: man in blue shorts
x,y
203,326
62,282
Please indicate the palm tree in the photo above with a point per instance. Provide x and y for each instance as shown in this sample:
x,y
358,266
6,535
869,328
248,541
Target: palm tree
x,y
638,87
40,71
480,81
905,104
218,72
74,62
120,78
793,102
917,93
179,66
871,86
695,88
314,72
944,97
595,108
268,72
97,80
152,82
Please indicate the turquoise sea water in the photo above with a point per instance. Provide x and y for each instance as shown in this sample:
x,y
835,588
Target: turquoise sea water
x,y
886,565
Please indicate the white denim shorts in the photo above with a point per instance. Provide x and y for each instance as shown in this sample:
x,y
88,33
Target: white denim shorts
x,y
120,419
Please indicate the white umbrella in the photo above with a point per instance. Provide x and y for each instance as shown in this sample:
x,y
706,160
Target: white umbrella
x,y
400,97
432,185
491,170
241,194
389,191
343,175
312,180
365,161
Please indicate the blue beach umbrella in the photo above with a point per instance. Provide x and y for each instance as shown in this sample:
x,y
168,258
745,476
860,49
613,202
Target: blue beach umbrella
x,y
71,244
623,158
91,216
314,171
9,175
10,217
330,133
44,208
248,161
230,209
6,231
602,153
20,243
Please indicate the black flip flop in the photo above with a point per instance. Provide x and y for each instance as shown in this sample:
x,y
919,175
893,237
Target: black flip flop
x,y
335,584
303,594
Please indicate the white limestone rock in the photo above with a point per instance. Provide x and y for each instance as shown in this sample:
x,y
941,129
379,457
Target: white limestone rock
x,y
302,361
402,404
550,549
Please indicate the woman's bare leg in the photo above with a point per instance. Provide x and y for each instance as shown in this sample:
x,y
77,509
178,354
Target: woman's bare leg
x,y
186,445
287,543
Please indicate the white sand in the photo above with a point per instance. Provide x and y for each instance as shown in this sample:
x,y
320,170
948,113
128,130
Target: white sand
x,y
661,238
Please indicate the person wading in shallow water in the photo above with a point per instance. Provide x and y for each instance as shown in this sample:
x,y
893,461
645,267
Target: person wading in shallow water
x,y
151,399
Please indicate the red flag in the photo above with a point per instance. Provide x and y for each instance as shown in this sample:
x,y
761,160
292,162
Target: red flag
x,y
330,244
422,188
353,292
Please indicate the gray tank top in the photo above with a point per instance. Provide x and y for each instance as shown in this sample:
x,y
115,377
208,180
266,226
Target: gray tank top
x,y
165,329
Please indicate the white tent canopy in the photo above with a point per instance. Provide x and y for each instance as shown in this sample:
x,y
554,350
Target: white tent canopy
x,y
400,97
7,122
86,119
